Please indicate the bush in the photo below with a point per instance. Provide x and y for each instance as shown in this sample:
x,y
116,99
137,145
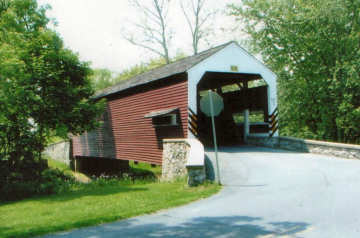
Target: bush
x,y
4,172
17,190
18,186
54,181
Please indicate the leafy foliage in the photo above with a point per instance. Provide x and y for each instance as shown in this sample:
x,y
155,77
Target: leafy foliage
x,y
43,88
314,48
103,78
28,180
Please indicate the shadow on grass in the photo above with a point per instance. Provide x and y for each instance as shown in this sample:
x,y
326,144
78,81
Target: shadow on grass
x,y
85,191
3,230
36,232
232,226
90,191
142,174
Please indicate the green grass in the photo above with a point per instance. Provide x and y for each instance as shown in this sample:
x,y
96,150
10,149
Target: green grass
x,y
94,203
58,165
145,168
66,170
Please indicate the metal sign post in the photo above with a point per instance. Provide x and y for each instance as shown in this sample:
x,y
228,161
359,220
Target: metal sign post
x,y
212,104
214,135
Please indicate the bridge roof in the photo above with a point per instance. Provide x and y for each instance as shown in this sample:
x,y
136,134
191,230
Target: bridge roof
x,y
162,72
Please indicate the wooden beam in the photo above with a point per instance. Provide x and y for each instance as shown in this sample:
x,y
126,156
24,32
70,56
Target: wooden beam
x,y
246,84
213,80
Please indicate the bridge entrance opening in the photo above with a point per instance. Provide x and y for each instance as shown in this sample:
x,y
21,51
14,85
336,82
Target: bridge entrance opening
x,y
245,99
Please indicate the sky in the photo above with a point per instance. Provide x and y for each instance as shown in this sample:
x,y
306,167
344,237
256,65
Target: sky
x,y
93,29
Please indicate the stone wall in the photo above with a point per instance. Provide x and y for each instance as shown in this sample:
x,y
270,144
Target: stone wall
x,y
319,147
183,157
59,151
175,154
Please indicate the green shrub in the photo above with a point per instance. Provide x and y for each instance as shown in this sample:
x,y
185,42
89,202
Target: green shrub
x,y
16,190
54,181
19,185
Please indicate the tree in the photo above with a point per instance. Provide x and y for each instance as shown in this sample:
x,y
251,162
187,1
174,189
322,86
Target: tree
x,y
197,17
314,48
43,87
139,69
102,78
155,34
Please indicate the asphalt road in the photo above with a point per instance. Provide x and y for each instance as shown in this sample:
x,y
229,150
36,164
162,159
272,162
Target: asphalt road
x,y
267,193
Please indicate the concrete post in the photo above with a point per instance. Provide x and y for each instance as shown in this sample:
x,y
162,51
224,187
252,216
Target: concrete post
x,y
246,124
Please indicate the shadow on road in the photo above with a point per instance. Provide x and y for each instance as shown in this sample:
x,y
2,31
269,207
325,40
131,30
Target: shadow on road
x,y
233,226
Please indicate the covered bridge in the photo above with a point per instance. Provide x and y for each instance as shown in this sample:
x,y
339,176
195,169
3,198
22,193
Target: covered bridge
x,y
164,103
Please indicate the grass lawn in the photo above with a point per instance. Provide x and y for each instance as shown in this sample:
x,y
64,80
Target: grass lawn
x,y
66,170
144,167
94,203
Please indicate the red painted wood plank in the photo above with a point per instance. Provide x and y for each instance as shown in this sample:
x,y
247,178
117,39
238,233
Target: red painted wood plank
x,y
133,136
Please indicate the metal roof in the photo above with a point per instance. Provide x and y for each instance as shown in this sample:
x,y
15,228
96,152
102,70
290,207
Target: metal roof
x,y
174,68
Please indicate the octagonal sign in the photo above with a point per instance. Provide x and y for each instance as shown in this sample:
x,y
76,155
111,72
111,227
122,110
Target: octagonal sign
x,y
217,102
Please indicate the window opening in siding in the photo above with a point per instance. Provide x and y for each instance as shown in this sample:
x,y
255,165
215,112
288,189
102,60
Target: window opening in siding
x,y
166,120
165,117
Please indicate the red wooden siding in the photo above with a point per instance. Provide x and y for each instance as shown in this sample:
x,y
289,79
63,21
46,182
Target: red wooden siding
x,y
97,143
133,137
